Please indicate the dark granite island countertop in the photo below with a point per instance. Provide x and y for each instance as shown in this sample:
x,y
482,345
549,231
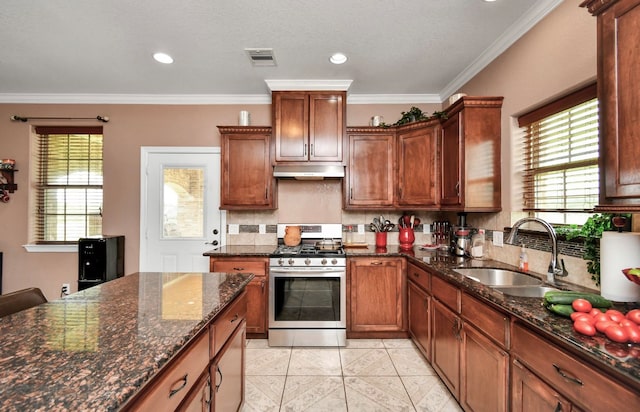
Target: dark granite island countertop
x,y
94,349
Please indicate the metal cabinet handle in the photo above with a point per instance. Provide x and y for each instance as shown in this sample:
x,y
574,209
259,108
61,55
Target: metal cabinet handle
x,y
305,149
207,392
235,318
238,269
376,263
558,408
181,387
220,373
262,285
568,377
311,151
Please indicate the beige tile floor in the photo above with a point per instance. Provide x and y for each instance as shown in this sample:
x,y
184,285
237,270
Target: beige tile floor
x,y
367,375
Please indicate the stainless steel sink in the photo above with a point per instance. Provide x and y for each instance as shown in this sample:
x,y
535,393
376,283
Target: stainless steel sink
x,y
524,291
499,277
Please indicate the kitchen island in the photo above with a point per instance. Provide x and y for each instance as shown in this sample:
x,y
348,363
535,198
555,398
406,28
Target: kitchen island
x,y
99,348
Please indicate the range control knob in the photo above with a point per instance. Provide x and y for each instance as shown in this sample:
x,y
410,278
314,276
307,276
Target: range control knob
x,y
281,261
291,261
307,261
323,261
334,261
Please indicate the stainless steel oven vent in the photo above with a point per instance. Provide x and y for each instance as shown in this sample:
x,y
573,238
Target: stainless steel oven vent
x,y
261,57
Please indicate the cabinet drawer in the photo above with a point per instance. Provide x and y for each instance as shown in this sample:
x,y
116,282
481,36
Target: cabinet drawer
x,y
493,323
419,277
257,267
227,322
446,293
580,383
174,383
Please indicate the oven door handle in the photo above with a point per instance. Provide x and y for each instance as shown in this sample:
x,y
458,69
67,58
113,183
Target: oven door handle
x,y
303,272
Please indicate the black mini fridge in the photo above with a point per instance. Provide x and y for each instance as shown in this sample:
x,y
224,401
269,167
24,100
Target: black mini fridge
x,y
100,259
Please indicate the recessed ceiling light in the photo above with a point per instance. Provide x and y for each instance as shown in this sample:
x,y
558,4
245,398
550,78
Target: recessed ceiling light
x,y
338,58
163,58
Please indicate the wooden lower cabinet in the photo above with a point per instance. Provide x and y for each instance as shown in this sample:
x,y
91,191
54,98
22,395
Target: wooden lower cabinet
x,y
446,339
257,289
227,372
420,319
376,294
199,399
484,376
529,393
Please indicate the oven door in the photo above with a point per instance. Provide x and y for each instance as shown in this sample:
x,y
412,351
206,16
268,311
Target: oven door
x,y
307,298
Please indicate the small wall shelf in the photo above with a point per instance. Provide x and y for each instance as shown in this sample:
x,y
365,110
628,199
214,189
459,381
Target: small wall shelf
x,y
7,174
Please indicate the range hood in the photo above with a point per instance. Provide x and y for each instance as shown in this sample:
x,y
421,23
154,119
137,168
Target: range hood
x,y
308,172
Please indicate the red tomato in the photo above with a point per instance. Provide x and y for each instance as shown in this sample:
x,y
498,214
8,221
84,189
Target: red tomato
x,y
633,332
634,315
626,322
604,325
586,318
602,318
615,315
595,312
576,315
617,334
584,328
581,305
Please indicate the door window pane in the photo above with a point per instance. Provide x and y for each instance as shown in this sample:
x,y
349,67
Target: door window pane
x,y
183,207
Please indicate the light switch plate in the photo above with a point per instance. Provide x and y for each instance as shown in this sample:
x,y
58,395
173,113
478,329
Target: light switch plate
x,y
234,229
262,229
361,229
497,238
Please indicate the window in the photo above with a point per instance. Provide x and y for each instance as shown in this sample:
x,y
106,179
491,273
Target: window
x,y
68,198
561,179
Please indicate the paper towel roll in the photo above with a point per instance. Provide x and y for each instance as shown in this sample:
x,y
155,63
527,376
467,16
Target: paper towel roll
x,y
619,251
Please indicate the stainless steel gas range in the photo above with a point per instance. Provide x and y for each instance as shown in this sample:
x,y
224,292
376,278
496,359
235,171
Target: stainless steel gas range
x,y
307,288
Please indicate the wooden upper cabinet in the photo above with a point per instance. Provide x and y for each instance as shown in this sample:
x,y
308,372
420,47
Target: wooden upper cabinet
x,y
370,168
309,126
470,155
246,178
618,95
417,165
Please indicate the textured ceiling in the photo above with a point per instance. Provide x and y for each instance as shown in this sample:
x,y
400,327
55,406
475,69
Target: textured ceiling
x,y
100,50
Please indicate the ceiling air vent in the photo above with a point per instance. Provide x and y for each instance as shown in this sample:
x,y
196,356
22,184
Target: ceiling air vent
x,y
261,57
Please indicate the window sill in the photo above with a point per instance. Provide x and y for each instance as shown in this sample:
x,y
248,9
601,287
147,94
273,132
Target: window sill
x,y
51,248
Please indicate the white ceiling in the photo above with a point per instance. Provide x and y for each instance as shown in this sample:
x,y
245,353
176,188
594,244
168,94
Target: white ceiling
x,y
399,50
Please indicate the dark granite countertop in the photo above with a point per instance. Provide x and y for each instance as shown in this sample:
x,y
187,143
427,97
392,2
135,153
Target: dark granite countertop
x,y
620,360
94,349
242,250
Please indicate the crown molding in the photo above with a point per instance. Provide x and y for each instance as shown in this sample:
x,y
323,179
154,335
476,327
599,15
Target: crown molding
x,y
392,98
510,36
136,98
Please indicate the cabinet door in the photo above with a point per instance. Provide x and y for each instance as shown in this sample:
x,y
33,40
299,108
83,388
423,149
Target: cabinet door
x,y
199,399
417,167
529,393
619,91
445,354
228,370
291,126
326,127
370,171
451,161
377,290
257,289
247,181
419,319
483,365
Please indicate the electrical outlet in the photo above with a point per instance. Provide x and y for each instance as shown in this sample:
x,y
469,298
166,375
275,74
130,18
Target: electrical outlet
x,y
65,289
234,229
426,229
262,229
497,238
361,229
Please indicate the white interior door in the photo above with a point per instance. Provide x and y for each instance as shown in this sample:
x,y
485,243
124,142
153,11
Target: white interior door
x,y
179,208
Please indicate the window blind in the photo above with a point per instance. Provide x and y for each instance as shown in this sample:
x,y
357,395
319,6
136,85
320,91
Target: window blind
x,y
561,156
68,198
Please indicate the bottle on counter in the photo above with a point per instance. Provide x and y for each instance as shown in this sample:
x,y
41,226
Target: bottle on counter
x,y
524,260
477,244
349,235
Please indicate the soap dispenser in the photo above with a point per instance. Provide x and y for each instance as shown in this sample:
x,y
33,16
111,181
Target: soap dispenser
x,y
524,260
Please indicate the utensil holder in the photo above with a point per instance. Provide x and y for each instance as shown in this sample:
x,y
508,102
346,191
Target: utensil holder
x,y
381,239
406,238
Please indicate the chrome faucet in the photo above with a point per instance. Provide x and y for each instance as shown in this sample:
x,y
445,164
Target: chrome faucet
x,y
555,268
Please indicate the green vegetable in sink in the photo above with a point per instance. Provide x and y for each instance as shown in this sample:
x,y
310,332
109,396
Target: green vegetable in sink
x,y
567,297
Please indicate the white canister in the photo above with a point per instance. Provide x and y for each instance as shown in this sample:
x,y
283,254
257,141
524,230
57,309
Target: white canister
x,y
377,120
244,118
